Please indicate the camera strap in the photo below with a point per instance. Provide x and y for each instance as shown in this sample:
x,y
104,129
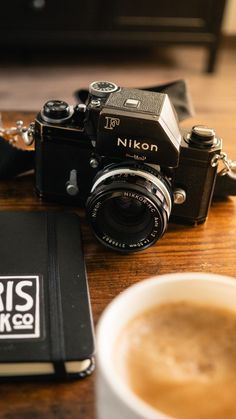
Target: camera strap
x,y
226,178
14,161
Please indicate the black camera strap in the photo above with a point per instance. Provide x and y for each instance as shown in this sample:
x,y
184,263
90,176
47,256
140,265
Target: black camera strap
x,y
225,185
14,161
226,179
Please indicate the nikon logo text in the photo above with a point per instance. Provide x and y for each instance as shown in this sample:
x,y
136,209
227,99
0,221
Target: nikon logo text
x,y
137,145
19,307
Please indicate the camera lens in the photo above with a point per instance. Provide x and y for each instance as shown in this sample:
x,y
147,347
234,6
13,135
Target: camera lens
x,y
122,215
129,207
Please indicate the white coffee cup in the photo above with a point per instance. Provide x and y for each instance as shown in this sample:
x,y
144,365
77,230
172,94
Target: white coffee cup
x,y
114,398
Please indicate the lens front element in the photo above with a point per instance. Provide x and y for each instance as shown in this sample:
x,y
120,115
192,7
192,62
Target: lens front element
x,y
129,208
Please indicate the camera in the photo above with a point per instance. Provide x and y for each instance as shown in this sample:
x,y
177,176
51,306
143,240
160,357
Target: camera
x,y
123,156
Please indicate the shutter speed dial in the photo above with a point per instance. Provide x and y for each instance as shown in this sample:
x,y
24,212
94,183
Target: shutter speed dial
x,y
102,88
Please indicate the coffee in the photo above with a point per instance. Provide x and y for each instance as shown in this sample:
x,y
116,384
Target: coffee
x,y
180,358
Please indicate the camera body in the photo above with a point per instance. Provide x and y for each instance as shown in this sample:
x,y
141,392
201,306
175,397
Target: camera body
x,y
126,145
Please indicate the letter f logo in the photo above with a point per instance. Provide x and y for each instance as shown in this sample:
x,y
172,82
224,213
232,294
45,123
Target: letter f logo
x,y
111,122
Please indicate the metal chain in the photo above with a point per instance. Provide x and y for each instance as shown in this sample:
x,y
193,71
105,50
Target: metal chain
x,y
228,165
12,134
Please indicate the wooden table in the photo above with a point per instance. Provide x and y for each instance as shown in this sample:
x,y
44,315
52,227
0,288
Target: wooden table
x,y
210,247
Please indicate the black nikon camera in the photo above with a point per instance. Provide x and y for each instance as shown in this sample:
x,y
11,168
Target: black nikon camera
x,y
122,155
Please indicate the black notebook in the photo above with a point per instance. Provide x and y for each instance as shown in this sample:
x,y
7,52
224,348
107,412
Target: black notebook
x,y
45,316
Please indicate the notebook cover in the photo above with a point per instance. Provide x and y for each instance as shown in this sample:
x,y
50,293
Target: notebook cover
x,y
45,314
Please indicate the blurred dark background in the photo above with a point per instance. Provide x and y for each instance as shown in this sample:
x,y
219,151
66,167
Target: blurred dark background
x,y
50,48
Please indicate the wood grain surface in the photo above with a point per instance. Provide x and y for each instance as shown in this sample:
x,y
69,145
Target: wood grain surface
x,y
210,247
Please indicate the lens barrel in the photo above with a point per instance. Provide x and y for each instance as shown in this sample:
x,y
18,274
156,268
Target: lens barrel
x,y
129,207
